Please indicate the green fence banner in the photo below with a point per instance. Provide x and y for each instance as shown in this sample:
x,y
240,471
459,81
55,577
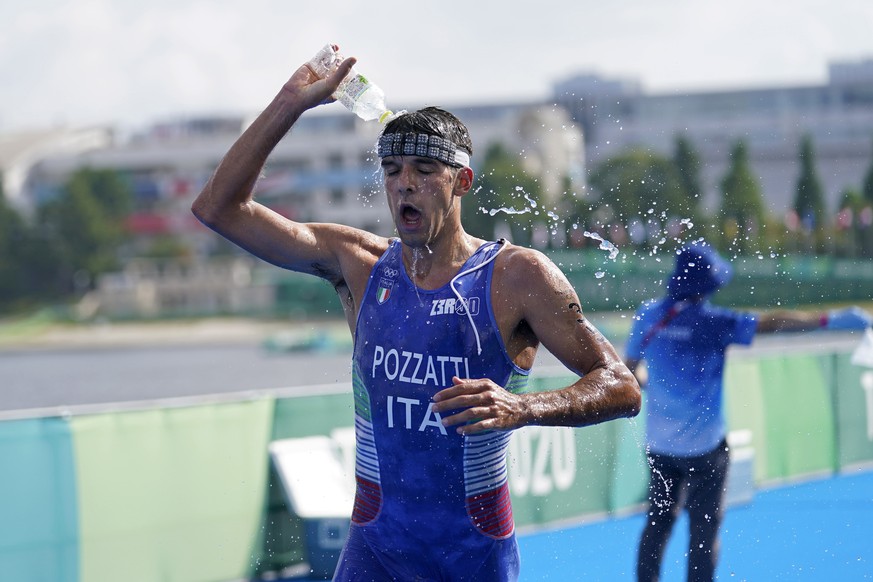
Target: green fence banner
x,y
854,410
799,416
187,492
744,407
39,538
172,494
630,477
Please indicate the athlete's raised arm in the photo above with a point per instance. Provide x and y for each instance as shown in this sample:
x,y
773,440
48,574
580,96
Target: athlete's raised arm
x,y
227,206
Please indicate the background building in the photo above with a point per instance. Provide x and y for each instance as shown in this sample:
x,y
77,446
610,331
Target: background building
x,y
21,152
616,115
328,171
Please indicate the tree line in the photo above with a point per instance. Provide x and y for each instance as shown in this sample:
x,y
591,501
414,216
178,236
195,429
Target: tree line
x,y
69,240
637,200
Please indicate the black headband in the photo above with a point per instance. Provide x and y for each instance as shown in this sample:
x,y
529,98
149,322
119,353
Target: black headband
x,y
424,145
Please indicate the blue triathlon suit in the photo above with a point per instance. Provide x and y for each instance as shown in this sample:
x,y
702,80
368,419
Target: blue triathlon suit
x,y
684,344
430,504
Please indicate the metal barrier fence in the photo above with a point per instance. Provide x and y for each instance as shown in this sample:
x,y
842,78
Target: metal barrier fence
x,y
185,490
622,284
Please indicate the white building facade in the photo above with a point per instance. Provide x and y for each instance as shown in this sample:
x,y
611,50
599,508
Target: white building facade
x,y
617,115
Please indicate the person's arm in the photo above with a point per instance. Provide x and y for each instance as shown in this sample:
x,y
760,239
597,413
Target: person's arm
x,y
792,320
226,203
788,320
541,300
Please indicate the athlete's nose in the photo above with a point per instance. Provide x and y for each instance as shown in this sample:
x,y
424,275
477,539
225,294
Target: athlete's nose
x,y
406,181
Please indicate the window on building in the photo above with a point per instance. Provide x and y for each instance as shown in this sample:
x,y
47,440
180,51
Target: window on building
x,y
335,161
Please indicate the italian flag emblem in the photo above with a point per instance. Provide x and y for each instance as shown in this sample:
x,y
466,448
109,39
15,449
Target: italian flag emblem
x,y
384,291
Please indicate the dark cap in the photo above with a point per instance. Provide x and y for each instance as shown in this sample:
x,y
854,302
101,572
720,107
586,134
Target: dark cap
x,y
700,270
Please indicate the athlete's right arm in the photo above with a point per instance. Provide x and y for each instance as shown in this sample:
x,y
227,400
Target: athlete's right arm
x,y
227,206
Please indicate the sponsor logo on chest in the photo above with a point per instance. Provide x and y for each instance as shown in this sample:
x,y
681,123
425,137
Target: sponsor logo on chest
x,y
453,305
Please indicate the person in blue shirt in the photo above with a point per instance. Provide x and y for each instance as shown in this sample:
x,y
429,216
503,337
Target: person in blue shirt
x,y
446,327
683,338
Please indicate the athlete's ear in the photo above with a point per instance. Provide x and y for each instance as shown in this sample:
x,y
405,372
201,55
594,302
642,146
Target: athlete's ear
x,y
463,181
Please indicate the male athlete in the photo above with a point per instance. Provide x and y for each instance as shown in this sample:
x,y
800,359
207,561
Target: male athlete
x,y
446,327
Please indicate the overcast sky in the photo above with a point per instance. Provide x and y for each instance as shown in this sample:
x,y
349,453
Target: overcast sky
x,y
130,62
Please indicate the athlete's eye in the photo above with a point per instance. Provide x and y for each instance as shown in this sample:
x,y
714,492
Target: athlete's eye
x,y
426,168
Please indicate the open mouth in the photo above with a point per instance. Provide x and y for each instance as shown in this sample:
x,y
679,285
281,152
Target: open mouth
x,y
410,216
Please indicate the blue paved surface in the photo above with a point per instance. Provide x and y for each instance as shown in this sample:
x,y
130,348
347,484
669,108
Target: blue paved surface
x,y
818,530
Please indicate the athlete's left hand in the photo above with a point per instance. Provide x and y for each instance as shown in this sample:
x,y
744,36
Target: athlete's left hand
x,y
481,404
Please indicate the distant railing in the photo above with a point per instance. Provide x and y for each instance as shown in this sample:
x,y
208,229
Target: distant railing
x,y
246,287
622,284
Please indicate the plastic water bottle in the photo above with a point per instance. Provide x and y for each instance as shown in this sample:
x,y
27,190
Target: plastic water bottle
x,y
356,92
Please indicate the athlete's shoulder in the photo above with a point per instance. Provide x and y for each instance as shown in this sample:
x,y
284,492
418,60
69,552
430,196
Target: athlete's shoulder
x,y
527,277
523,261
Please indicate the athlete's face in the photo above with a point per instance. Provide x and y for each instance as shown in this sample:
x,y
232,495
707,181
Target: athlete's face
x,y
424,196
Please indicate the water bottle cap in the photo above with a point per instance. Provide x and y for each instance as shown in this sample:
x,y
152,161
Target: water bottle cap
x,y
386,117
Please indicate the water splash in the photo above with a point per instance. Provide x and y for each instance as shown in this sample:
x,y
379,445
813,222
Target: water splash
x,y
494,211
532,205
605,245
413,272
531,201
659,502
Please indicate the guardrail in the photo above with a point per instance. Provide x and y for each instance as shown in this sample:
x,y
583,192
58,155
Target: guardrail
x,y
622,284
184,490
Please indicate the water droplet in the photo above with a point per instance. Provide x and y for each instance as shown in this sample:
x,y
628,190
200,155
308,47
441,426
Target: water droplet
x,y
605,245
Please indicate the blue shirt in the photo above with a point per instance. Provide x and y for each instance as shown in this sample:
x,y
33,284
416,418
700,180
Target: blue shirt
x,y
430,502
684,345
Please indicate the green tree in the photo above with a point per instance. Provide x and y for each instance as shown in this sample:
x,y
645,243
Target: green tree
x,y
643,187
504,192
27,264
575,210
809,197
166,247
742,208
12,232
867,188
851,198
85,225
688,165
849,235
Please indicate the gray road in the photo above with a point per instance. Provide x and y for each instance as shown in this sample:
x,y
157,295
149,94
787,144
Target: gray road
x,y
39,378
50,378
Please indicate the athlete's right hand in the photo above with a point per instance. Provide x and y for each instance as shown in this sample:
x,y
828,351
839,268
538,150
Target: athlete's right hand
x,y
306,89
478,405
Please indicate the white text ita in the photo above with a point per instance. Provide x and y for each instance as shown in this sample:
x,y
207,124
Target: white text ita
x,y
408,408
